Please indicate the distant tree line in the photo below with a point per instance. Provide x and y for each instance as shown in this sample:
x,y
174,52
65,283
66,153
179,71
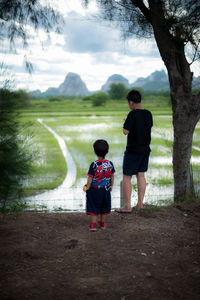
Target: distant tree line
x,y
118,91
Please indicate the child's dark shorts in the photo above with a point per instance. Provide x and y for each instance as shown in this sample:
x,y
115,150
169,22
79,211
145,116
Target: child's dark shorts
x,y
98,201
134,163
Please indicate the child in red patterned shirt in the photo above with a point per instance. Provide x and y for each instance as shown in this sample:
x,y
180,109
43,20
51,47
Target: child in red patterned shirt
x,y
99,185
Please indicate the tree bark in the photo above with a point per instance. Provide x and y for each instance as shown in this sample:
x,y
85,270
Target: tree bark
x,y
185,106
182,146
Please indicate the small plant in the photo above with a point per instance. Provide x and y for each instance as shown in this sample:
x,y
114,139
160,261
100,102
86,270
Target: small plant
x,y
15,207
58,209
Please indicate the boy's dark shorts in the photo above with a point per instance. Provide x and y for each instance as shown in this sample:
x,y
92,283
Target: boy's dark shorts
x,y
98,201
134,163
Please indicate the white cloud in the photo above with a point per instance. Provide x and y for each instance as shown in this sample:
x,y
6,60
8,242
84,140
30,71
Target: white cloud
x,y
65,7
89,48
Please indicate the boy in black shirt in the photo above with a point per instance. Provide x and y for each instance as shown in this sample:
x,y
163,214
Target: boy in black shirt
x,y
137,127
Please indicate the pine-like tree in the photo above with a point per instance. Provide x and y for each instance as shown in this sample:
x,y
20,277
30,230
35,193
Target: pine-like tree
x,y
15,157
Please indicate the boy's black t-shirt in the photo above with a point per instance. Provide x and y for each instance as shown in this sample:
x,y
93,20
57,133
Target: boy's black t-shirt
x,y
138,123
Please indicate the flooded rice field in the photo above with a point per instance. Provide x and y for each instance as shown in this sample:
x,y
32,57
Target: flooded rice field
x,y
75,137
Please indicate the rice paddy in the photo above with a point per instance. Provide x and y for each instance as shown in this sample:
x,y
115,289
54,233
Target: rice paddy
x,y
79,131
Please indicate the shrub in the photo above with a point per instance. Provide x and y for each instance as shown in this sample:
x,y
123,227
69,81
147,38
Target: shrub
x,y
118,91
15,158
54,99
22,98
86,98
99,98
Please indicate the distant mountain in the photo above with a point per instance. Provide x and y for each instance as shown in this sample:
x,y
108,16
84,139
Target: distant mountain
x,y
73,85
50,92
158,80
36,93
115,78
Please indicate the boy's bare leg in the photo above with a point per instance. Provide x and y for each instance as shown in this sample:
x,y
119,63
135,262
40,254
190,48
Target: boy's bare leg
x,y
103,218
127,191
141,185
93,219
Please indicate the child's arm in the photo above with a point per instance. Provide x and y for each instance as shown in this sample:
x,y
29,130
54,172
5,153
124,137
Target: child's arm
x,y
112,181
125,131
89,182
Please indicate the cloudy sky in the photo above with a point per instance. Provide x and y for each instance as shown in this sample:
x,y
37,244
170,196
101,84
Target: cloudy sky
x,y
95,50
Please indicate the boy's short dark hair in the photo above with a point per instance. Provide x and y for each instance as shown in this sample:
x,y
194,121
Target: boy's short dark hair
x,y
134,96
101,148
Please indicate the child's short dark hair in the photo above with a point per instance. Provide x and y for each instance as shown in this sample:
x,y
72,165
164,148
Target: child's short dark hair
x,y
134,96
101,148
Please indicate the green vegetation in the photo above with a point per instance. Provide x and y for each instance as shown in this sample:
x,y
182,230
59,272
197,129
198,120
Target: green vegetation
x,y
97,99
79,130
49,170
79,123
118,91
99,104
16,157
15,207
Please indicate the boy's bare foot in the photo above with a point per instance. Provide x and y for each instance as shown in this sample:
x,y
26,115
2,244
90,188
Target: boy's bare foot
x,y
139,206
124,210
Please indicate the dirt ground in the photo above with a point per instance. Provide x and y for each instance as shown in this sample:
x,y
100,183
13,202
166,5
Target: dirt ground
x,y
147,254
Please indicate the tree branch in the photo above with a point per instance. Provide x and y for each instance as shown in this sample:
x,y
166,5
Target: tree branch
x,y
195,53
146,12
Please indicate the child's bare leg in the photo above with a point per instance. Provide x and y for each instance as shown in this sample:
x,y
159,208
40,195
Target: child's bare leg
x,y
102,222
93,219
103,218
141,185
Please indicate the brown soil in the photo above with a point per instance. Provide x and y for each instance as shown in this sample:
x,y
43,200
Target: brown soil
x,y
143,255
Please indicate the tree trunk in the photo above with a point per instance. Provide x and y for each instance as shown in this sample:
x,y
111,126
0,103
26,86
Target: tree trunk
x,y
186,113
183,133
185,106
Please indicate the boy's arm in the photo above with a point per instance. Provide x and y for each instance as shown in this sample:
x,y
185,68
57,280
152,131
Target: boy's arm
x,y
128,123
112,181
89,182
125,131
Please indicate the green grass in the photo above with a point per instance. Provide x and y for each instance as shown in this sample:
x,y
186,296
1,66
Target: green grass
x,y
157,105
162,181
49,169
